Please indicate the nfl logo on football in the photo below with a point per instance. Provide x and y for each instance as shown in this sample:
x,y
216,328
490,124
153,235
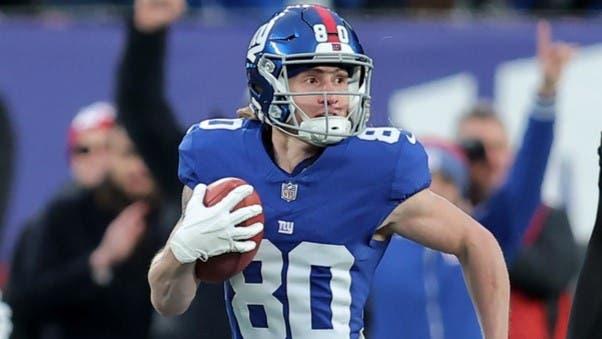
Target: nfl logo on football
x,y
289,191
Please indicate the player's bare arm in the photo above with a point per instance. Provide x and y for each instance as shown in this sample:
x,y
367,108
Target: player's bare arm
x,y
436,223
173,284
201,233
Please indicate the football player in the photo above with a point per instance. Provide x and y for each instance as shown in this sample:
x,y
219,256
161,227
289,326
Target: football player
x,y
333,193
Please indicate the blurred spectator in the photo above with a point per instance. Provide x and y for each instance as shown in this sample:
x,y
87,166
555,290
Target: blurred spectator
x,y
148,117
6,171
506,191
512,205
505,195
540,277
219,10
586,319
90,253
7,145
449,168
27,323
87,143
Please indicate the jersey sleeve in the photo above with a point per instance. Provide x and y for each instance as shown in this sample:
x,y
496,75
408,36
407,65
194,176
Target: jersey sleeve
x,y
206,149
412,173
187,166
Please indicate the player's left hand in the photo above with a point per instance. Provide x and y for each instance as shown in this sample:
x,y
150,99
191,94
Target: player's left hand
x,y
152,15
553,56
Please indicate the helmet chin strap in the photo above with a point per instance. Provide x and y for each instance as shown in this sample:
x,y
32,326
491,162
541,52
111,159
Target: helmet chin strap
x,y
324,127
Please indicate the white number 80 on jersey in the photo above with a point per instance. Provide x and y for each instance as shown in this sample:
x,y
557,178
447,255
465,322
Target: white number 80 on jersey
x,y
298,289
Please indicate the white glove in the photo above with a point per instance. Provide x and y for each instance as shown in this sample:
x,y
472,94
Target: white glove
x,y
209,231
6,325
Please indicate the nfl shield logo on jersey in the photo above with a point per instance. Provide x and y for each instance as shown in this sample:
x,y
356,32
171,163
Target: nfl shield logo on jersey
x,y
289,191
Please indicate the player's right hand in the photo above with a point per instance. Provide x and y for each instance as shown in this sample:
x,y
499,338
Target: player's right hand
x,y
210,231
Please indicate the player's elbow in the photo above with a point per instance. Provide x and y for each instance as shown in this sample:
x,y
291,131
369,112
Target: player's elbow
x,y
166,308
478,241
168,305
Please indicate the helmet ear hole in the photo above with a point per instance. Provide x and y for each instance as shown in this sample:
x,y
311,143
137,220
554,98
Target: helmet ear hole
x,y
256,89
275,112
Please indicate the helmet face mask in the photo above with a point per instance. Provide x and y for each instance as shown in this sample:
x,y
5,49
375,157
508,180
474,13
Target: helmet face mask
x,y
272,60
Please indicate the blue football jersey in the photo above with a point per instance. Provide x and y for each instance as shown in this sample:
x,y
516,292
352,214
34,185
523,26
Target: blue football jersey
x,y
312,273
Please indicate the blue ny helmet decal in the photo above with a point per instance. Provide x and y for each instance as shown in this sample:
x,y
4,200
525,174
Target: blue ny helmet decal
x,y
295,39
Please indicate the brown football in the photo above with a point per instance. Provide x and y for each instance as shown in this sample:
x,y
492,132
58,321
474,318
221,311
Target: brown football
x,y
222,267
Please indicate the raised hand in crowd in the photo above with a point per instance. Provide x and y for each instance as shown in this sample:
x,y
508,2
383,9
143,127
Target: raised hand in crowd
x,y
553,56
152,15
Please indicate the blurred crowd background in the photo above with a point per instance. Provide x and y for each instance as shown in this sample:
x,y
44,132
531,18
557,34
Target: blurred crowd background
x,y
270,6
70,70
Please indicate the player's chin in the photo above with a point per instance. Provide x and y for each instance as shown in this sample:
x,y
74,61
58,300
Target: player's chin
x,y
330,114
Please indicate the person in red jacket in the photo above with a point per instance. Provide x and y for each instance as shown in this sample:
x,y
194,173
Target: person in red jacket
x,y
540,277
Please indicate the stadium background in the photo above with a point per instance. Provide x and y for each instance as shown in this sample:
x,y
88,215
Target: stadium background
x,y
428,68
